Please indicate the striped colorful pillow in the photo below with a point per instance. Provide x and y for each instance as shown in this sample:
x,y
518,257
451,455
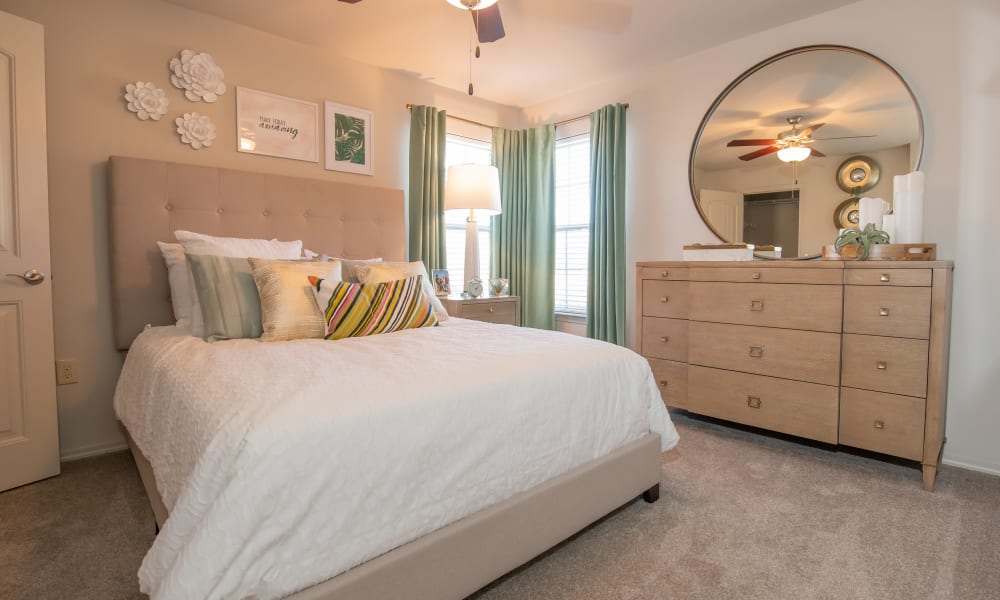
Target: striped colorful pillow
x,y
360,309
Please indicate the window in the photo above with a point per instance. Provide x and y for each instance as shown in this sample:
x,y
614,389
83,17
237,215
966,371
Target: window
x,y
460,151
572,223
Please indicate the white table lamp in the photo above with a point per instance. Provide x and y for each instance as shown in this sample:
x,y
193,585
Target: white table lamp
x,y
473,188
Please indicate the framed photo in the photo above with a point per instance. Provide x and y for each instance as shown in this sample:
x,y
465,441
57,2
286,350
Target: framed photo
x,y
349,134
442,285
274,125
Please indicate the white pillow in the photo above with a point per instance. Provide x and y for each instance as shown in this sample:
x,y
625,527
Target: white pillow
x,y
177,276
391,271
199,243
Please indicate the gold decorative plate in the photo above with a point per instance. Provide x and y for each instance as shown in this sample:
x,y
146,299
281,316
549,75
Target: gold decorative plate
x,y
858,172
847,214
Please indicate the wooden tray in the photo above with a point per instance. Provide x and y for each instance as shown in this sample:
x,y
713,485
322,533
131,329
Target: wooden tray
x,y
884,252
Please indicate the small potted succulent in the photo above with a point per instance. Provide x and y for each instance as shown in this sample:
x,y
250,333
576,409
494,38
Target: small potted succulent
x,y
862,240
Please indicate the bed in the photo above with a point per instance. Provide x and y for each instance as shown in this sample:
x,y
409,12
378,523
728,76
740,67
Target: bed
x,y
419,464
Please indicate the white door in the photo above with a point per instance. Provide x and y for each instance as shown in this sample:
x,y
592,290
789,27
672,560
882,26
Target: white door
x,y
29,436
725,212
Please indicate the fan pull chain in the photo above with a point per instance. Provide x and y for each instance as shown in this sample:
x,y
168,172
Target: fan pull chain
x,y
471,26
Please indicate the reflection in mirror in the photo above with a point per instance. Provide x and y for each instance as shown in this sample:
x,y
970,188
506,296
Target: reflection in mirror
x,y
793,138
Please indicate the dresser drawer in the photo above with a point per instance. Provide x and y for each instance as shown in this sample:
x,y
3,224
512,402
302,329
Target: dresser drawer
x,y
884,364
881,422
887,277
891,311
768,275
803,355
491,312
807,410
671,377
792,306
664,273
665,338
665,299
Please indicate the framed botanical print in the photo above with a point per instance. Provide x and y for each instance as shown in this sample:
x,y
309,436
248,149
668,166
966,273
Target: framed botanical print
x,y
274,125
349,135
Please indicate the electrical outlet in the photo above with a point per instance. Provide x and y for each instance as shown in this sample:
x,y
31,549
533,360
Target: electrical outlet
x,y
66,371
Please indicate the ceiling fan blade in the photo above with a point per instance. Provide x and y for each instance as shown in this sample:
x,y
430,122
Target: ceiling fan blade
x,y
350,1
750,143
809,130
489,25
816,153
759,153
845,137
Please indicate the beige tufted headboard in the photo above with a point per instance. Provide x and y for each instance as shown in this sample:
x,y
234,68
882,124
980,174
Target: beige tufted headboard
x,y
150,199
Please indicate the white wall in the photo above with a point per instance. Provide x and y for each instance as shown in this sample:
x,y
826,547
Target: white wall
x,y
93,49
949,53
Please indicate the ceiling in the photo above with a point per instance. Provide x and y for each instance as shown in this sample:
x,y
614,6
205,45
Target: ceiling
x,y
851,93
552,46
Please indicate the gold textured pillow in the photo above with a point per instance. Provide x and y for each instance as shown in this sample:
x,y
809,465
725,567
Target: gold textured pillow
x,y
287,303
391,271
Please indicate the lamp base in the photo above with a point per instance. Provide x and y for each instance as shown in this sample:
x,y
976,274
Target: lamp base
x,y
471,250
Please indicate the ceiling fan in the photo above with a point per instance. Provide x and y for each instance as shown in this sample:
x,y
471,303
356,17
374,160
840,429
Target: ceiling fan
x,y
485,17
791,145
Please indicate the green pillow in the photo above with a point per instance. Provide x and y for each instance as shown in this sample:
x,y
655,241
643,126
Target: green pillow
x,y
230,303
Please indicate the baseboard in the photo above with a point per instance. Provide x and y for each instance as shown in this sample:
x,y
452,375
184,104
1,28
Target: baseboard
x,y
92,450
961,464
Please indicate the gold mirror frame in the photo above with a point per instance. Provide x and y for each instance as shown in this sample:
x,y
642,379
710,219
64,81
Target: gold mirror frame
x,y
764,63
870,168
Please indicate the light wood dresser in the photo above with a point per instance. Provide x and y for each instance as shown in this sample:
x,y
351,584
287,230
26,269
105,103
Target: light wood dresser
x,y
843,352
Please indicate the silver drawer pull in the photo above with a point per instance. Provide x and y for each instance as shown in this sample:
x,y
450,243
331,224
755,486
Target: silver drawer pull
x,y
664,383
664,299
879,424
881,365
756,274
757,305
664,274
753,401
756,351
884,278
493,309
883,312
664,339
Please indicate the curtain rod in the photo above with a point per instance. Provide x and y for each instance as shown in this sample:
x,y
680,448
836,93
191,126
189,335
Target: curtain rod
x,y
470,121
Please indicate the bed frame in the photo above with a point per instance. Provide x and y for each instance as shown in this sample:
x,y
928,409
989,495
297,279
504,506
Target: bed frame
x,y
150,199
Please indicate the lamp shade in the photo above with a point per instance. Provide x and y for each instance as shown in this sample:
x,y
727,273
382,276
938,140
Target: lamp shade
x,y
472,4
794,153
473,187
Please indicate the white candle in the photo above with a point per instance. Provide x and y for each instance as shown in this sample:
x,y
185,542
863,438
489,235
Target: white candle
x,y
870,212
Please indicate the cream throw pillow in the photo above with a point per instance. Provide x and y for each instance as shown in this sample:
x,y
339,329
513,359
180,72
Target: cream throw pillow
x,y
391,271
287,303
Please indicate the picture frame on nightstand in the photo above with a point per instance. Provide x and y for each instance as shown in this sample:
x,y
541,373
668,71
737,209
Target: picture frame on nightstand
x,y
442,284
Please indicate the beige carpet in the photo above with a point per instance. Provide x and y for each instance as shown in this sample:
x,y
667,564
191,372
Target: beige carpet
x,y
741,516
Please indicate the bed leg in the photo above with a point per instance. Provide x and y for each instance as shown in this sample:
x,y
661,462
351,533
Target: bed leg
x,y
652,494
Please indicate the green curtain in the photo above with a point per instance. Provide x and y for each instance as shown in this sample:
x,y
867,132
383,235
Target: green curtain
x,y
523,234
426,198
606,255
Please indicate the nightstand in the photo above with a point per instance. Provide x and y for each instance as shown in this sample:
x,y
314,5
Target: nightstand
x,y
505,310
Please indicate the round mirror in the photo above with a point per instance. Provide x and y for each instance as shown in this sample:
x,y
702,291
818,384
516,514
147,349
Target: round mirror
x,y
785,151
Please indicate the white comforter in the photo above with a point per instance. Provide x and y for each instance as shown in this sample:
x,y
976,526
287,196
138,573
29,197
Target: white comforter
x,y
284,464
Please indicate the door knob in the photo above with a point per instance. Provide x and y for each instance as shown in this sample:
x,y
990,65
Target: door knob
x,y
32,276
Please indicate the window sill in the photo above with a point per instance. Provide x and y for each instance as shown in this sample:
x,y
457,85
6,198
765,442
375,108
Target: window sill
x,y
571,317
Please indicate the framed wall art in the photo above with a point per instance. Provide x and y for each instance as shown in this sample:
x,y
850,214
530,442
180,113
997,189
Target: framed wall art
x,y
349,134
274,125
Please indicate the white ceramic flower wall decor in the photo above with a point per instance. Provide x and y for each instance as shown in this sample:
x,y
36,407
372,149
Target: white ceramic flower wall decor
x,y
195,129
198,75
146,100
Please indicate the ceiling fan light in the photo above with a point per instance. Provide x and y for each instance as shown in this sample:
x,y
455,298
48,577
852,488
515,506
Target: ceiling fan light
x,y
472,4
794,153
